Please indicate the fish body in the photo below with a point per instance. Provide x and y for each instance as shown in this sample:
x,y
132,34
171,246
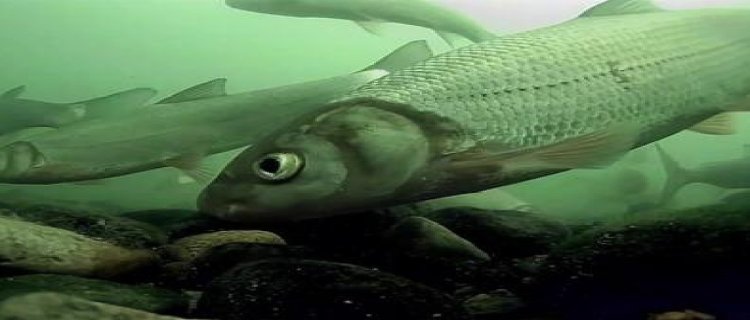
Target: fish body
x,y
179,130
574,95
729,174
18,114
494,199
365,12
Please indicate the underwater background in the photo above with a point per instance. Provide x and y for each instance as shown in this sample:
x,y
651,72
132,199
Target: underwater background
x,y
73,50
583,244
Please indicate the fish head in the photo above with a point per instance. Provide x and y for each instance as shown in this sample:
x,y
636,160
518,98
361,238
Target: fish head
x,y
349,158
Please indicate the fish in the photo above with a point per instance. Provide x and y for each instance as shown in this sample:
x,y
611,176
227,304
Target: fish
x,y
579,94
369,14
181,130
728,174
18,114
493,199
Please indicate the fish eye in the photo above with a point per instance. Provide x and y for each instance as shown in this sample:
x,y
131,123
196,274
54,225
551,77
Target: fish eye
x,y
278,166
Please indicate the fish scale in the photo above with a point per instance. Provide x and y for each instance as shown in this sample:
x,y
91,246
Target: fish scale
x,y
560,82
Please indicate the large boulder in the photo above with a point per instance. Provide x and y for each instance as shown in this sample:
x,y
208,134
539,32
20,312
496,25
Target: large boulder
x,y
310,290
503,234
693,259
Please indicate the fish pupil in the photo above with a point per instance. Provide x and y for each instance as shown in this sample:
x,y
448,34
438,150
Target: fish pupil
x,y
270,165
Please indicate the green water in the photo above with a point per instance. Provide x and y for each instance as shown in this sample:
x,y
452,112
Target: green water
x,y
73,50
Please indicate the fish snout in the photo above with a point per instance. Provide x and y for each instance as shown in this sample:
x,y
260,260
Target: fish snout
x,y
19,157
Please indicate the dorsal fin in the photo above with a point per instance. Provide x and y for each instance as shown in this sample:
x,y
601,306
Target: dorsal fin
x,y
405,56
13,93
619,7
209,89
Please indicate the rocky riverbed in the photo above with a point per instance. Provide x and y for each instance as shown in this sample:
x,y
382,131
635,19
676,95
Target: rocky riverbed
x,y
455,263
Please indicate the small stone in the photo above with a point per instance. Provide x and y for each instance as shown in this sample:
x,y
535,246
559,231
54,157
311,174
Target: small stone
x,y
503,234
316,290
418,236
106,227
189,248
682,315
500,302
55,306
696,257
141,297
33,247
218,260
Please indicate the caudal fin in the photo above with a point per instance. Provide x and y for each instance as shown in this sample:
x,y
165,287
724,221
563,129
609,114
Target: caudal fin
x,y
676,176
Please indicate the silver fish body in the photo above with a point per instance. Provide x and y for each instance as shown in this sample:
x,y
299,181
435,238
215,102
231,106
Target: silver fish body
x,y
411,12
18,114
182,129
495,113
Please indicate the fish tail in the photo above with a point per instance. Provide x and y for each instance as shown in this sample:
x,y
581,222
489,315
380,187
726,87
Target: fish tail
x,y
676,176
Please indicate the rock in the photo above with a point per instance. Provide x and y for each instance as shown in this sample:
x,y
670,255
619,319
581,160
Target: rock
x,y
694,258
502,234
55,306
139,297
217,260
166,220
116,230
33,247
682,315
307,289
421,237
427,252
497,303
362,233
189,248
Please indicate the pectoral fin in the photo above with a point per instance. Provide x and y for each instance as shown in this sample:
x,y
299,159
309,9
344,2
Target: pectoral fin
x,y
451,39
13,93
372,27
594,150
208,89
405,56
721,124
192,166
620,7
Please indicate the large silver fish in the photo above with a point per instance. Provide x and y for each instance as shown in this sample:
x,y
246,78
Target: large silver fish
x,y
367,13
575,95
180,130
728,174
18,114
